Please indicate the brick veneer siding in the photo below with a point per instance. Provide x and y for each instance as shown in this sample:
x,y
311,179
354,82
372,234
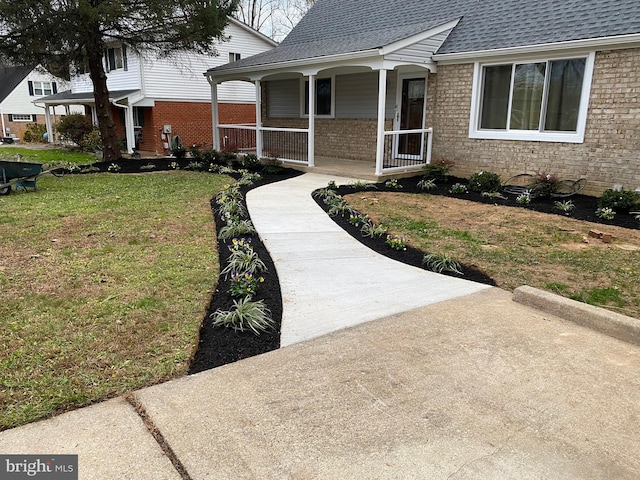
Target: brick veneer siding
x,y
18,128
609,155
190,120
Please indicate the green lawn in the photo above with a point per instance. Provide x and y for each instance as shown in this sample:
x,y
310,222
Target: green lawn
x,y
47,155
105,279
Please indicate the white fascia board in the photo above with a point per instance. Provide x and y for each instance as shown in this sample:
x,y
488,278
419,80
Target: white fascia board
x,y
589,44
407,42
305,65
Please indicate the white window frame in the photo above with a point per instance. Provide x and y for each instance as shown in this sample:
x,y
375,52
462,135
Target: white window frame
x,y
40,89
28,118
303,81
530,135
234,57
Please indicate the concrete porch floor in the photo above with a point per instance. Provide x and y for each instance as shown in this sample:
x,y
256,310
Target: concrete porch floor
x,y
359,169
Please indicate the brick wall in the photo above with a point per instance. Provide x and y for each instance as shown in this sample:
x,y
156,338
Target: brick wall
x,y
609,155
17,129
190,120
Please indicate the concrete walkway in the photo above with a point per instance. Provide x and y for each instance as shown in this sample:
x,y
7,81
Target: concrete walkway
x,y
473,387
329,280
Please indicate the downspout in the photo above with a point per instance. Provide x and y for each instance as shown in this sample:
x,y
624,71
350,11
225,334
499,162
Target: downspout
x,y
128,125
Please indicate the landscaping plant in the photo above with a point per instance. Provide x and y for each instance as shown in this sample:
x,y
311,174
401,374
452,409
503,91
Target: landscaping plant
x,y
485,182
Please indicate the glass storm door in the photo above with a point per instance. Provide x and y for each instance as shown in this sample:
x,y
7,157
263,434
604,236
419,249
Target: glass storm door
x,y
411,117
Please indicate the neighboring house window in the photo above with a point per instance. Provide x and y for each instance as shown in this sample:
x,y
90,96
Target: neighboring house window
x,y
543,100
234,57
21,118
116,58
40,89
324,97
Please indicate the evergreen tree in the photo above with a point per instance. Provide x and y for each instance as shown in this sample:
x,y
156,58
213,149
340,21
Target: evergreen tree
x,y
64,34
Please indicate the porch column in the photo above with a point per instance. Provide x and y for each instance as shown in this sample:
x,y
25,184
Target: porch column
x,y
47,121
258,118
311,135
215,118
129,130
382,102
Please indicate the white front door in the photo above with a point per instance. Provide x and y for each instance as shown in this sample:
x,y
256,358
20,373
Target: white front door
x,y
410,116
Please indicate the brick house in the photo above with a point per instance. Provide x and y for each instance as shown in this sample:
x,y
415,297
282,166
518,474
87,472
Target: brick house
x,y
511,86
19,87
157,102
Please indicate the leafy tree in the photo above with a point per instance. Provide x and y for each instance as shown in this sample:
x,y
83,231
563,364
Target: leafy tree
x,y
60,34
274,18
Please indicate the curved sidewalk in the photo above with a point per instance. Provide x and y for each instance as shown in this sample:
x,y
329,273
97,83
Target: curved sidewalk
x,y
329,280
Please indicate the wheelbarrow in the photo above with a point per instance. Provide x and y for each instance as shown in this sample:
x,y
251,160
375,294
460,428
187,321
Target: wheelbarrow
x,y
21,175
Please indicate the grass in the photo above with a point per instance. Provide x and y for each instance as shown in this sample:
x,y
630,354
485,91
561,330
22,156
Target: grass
x,y
105,280
516,246
47,155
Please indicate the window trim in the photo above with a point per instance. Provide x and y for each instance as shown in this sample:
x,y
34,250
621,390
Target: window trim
x,y
303,82
14,119
122,57
528,135
42,88
234,57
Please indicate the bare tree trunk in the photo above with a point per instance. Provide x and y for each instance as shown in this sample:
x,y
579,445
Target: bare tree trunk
x,y
110,145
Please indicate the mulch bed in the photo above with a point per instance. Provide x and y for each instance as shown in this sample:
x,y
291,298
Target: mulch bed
x,y
219,345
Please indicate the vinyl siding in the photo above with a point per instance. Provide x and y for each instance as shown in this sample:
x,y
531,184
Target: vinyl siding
x,y
356,96
20,102
421,51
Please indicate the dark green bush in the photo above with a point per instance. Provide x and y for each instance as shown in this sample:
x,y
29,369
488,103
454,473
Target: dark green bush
x,y
622,201
251,162
438,171
74,127
485,182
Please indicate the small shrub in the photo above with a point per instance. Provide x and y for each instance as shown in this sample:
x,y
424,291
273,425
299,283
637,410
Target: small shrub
x,y
397,243
485,182
524,198
35,133
74,127
249,178
92,141
458,188
179,152
438,171
441,262
544,184
332,185
620,200
605,213
393,184
273,166
362,185
245,315
251,162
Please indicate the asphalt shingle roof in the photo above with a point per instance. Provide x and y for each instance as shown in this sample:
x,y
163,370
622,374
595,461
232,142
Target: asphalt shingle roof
x,y
347,26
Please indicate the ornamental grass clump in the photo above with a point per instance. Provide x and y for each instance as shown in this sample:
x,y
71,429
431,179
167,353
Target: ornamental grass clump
x,y
242,260
605,213
565,206
245,315
441,262
427,184
236,228
373,231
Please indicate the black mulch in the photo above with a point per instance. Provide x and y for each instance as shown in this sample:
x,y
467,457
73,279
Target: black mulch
x,y
218,345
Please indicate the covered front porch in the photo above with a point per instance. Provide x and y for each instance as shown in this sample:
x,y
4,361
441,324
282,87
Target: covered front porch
x,y
372,116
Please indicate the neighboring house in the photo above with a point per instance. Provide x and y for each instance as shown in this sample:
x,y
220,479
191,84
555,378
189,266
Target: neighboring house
x,y
508,86
159,101
19,87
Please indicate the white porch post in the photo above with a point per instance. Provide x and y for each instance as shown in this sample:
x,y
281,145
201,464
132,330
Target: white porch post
x,y
382,101
130,133
215,122
258,118
311,136
47,121
4,128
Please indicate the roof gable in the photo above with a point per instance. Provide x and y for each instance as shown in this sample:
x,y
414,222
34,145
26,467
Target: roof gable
x,y
10,78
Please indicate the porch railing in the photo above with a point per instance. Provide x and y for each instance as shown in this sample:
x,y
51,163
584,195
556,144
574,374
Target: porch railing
x,y
286,144
406,150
